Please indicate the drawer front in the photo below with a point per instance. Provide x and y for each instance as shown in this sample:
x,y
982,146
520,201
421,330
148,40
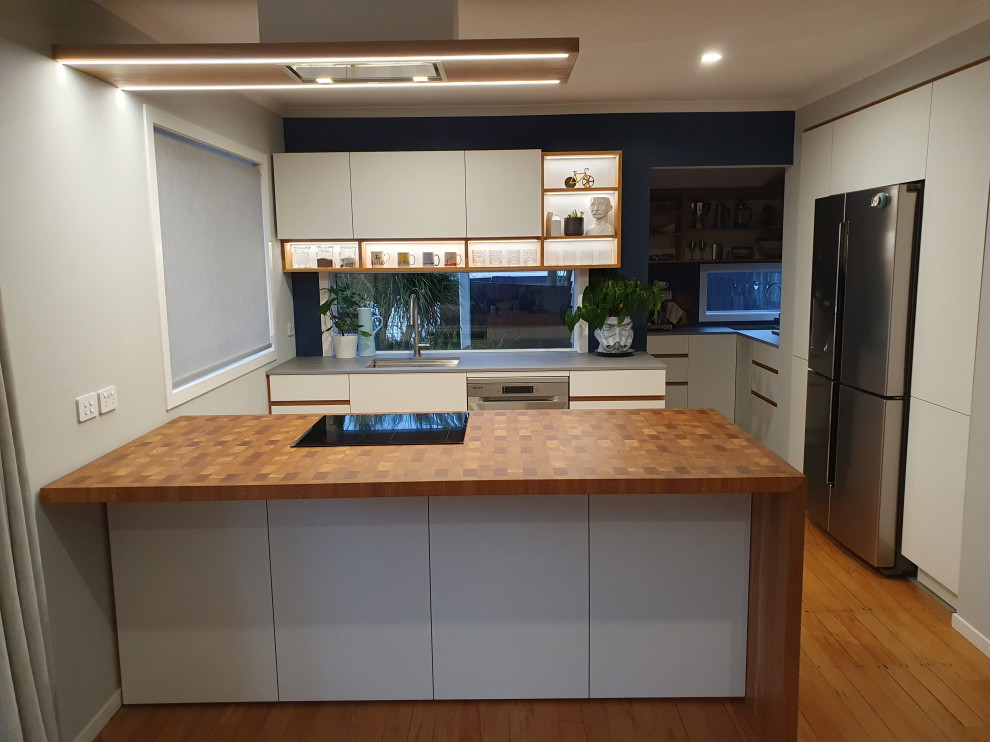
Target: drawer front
x,y
676,396
763,381
607,385
677,368
666,344
412,392
618,403
309,388
306,409
766,354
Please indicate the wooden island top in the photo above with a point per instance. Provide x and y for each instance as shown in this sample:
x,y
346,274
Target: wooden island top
x,y
514,452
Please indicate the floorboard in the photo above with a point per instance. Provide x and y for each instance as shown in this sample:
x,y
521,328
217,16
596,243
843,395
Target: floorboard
x,y
880,661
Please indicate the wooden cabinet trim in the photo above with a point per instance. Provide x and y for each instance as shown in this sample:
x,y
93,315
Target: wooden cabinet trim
x,y
765,367
609,398
290,403
760,396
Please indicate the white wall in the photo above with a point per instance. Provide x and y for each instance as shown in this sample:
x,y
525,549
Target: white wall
x,y
78,285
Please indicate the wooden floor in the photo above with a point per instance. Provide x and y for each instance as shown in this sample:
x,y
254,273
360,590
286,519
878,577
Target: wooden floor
x,y
879,661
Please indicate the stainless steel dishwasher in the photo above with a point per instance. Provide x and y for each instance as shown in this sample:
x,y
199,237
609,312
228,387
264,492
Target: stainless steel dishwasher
x,y
518,393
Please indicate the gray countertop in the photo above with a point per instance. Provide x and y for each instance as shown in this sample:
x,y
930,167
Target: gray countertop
x,y
763,334
475,361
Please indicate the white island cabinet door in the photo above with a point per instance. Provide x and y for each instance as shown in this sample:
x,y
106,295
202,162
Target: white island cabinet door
x,y
404,195
313,196
193,595
413,392
510,596
669,595
504,192
351,595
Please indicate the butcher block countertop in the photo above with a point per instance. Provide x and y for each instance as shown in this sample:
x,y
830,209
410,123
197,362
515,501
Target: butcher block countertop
x,y
513,452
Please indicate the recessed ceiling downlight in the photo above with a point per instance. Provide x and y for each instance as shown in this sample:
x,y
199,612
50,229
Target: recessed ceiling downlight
x,y
710,57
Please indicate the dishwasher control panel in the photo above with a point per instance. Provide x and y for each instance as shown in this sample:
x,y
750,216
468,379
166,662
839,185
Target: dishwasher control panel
x,y
518,393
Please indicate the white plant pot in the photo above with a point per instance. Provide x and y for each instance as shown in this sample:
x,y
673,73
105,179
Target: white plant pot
x,y
345,346
613,337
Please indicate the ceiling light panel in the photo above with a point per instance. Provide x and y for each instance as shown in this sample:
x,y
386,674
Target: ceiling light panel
x,y
267,66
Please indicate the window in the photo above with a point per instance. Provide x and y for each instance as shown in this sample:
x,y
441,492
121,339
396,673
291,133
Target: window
x,y
470,311
209,213
740,293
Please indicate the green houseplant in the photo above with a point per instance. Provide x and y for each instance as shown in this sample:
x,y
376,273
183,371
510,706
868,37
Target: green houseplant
x,y
607,305
340,308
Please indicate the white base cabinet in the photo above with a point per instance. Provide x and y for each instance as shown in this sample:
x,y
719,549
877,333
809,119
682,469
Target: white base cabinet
x,y
669,595
935,490
193,596
413,392
712,372
510,596
351,596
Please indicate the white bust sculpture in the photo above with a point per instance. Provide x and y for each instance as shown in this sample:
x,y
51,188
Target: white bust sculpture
x,y
600,207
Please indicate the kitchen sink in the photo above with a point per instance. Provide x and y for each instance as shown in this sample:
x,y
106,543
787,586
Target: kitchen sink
x,y
409,362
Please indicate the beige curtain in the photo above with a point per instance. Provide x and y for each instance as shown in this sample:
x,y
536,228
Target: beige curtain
x,y
26,696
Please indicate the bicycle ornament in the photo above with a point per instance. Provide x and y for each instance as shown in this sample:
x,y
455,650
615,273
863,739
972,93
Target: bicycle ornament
x,y
585,180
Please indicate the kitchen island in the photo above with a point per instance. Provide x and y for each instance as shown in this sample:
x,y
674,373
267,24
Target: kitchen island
x,y
553,554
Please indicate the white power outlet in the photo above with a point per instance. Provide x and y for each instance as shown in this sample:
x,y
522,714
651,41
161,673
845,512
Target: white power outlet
x,y
108,399
292,329
86,407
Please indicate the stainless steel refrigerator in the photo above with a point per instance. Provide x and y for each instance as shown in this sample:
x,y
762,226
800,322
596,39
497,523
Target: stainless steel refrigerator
x,y
862,323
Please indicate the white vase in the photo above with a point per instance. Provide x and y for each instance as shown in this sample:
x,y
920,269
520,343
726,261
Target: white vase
x,y
345,346
615,337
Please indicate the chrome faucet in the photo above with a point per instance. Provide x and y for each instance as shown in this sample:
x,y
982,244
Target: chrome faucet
x,y
414,323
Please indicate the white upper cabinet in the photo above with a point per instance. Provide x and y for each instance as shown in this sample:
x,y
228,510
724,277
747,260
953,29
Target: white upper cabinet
x,y
882,144
313,196
814,182
953,234
408,194
503,192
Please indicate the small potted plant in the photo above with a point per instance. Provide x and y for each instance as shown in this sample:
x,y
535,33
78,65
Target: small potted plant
x,y
607,305
574,224
341,308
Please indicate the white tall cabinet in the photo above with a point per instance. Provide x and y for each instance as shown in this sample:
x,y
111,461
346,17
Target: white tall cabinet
x,y
936,132
950,271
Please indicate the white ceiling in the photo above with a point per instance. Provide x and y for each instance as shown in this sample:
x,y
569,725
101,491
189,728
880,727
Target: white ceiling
x,y
636,55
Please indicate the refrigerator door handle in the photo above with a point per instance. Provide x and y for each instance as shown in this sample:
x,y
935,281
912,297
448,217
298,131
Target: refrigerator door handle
x,y
833,429
840,287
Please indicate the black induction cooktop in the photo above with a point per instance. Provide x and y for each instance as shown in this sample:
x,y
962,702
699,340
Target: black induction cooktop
x,y
433,428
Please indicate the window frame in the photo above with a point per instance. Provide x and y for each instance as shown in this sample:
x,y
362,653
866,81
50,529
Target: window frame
x,y
175,396
706,316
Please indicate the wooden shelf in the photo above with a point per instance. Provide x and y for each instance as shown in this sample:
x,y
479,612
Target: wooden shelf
x,y
596,189
711,262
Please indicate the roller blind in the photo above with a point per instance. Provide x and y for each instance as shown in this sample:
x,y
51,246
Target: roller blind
x,y
214,256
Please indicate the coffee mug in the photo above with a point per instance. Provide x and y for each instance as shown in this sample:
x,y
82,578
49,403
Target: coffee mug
x,y
380,258
406,258
452,258
431,258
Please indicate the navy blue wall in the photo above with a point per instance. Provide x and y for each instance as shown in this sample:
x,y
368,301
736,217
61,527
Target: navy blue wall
x,y
647,140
